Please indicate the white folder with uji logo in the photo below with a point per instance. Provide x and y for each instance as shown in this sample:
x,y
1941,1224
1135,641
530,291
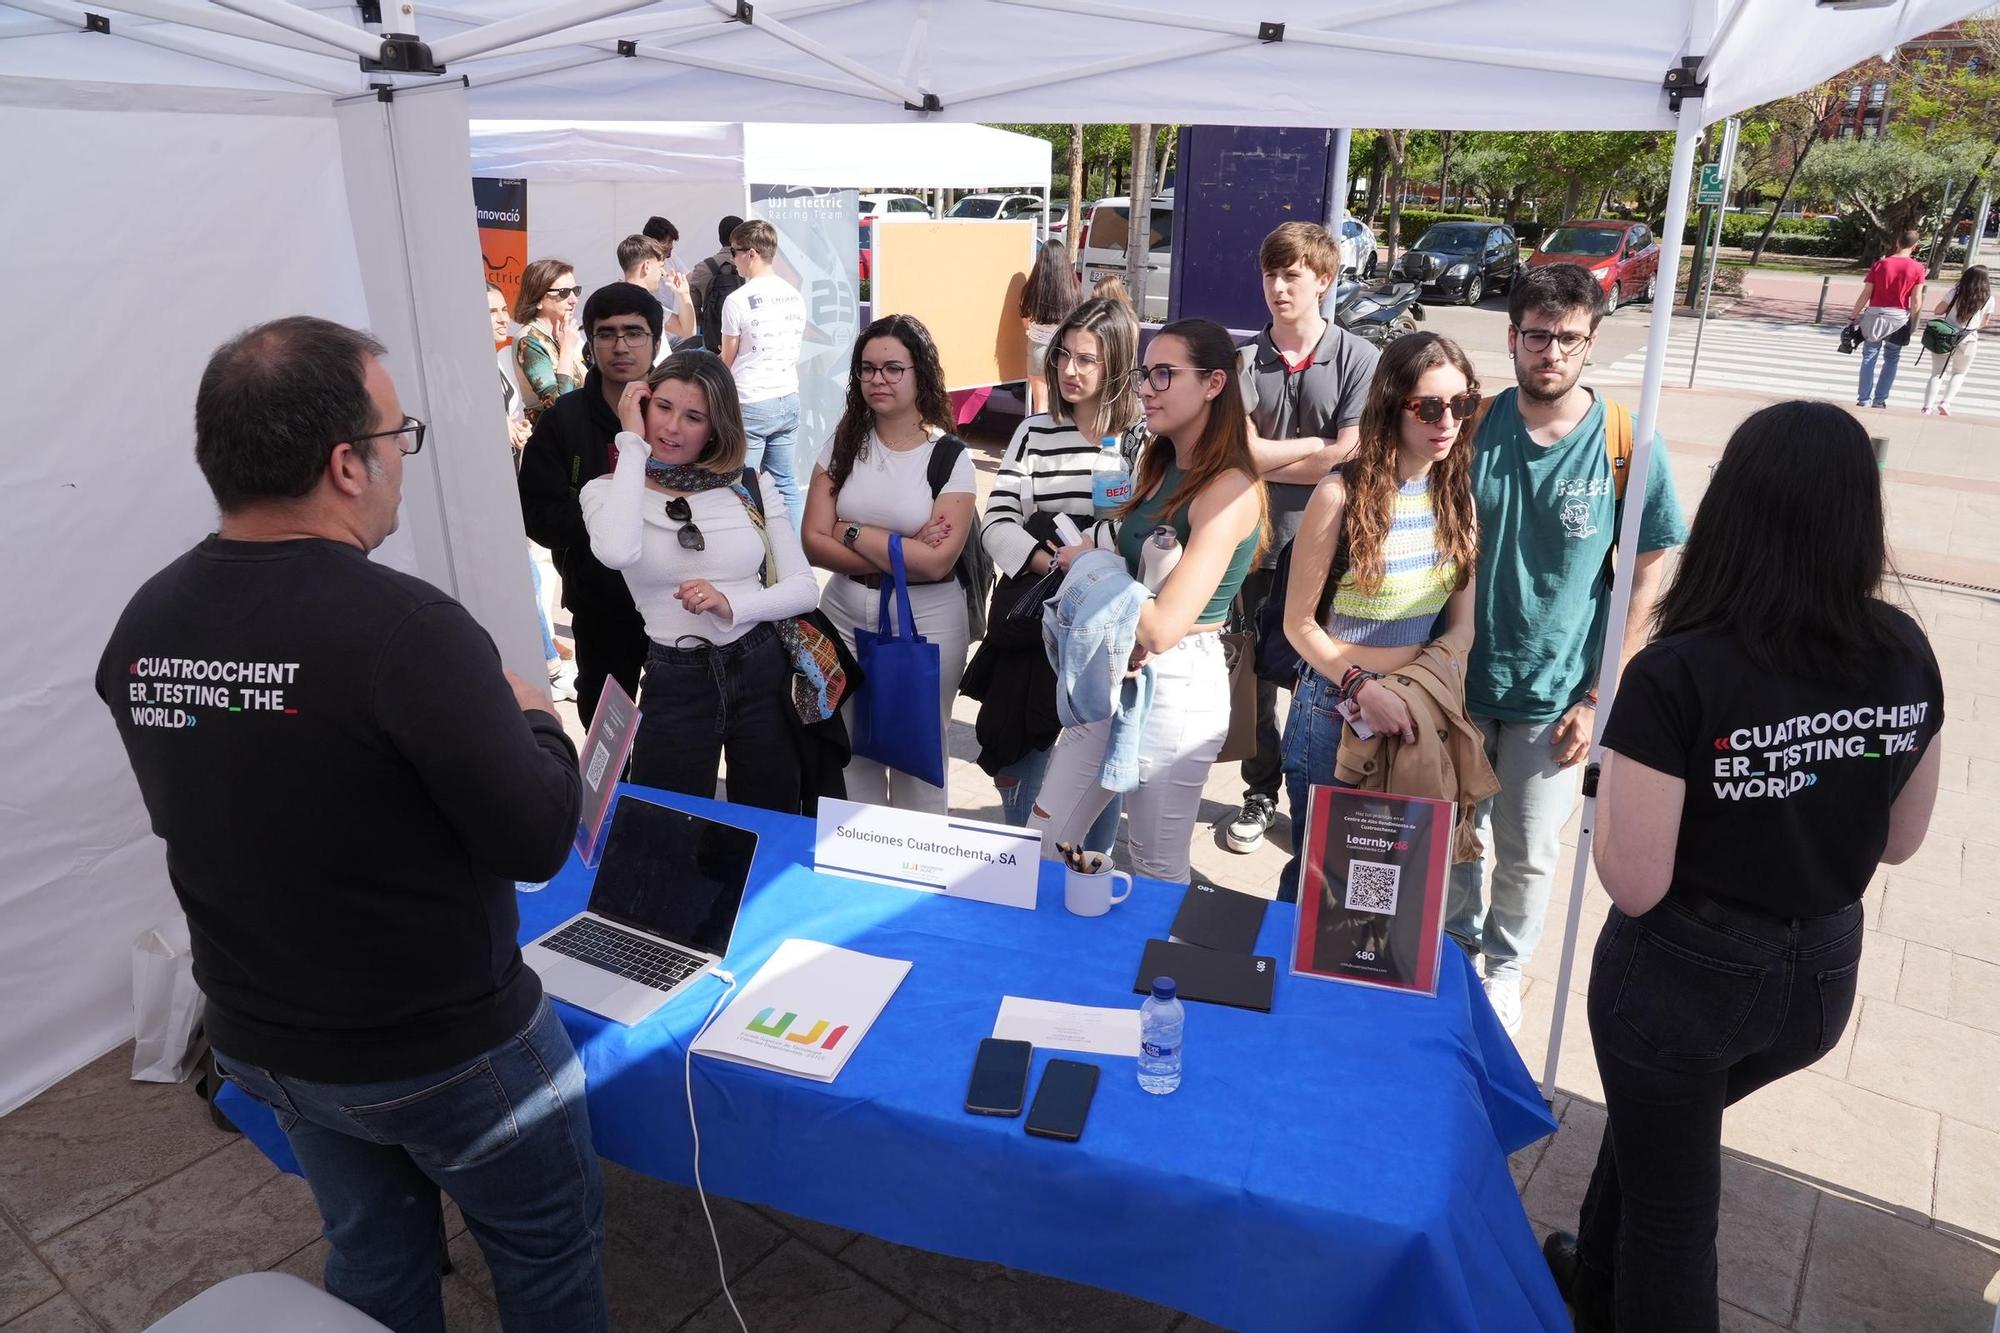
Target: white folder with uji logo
x,y
805,1011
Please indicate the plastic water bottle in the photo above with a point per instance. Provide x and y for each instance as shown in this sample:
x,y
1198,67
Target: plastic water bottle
x,y
1110,480
1158,557
1162,1023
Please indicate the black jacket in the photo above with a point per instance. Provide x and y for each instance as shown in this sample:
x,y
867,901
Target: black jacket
x,y
1010,674
573,444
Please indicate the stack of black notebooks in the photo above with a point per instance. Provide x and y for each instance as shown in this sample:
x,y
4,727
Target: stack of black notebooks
x,y
1209,954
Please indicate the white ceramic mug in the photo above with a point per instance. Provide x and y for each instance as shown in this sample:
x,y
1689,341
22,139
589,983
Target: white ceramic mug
x,y
1088,892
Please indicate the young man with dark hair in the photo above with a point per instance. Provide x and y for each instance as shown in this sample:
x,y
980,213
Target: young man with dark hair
x,y
704,274
1548,477
1305,381
1885,310
643,261
573,444
348,785
763,328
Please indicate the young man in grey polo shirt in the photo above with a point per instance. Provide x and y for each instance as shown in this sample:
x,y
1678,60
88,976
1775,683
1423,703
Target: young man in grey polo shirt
x,y
1304,383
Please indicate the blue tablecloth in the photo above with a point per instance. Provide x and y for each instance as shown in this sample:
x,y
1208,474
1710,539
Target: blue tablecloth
x,y
1338,1163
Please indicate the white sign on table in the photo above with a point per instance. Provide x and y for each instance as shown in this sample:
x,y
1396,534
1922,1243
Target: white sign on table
x,y
960,858
1050,1025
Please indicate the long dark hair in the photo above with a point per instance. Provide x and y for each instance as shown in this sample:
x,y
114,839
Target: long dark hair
x,y
1371,496
1970,296
1225,439
1050,292
933,403
1787,553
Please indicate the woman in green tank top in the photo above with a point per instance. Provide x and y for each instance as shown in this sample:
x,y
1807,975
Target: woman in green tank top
x,y
1196,476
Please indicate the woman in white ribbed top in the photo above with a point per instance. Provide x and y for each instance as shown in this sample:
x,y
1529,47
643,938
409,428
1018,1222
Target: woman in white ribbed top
x,y
677,517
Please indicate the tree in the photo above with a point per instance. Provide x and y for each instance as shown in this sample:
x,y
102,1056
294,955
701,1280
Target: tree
x,y
1955,105
1801,122
1073,233
1397,144
1890,180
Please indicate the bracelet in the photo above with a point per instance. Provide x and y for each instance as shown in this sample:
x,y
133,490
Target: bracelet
x,y
1351,682
1592,696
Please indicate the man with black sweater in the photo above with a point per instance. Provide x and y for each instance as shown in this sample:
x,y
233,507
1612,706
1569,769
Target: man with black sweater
x,y
572,444
348,785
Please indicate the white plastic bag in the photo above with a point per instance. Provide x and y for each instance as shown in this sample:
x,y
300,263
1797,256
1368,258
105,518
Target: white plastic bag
x,y
166,1005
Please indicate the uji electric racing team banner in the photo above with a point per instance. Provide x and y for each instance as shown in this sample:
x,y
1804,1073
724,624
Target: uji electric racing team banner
x,y
819,252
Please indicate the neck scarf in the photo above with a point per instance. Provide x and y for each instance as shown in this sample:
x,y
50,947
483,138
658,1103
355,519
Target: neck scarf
x,y
686,476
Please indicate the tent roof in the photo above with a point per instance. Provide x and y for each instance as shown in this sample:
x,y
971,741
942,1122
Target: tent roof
x,y
949,156
1521,64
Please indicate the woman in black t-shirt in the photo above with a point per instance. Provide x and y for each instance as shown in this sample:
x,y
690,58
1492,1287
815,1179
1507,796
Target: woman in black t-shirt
x,y
1770,747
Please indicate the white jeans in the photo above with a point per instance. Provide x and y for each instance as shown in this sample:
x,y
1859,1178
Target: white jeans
x,y
940,614
1184,732
1948,372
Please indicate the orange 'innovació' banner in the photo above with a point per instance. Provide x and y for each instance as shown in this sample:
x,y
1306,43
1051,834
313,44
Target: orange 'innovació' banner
x,y
502,206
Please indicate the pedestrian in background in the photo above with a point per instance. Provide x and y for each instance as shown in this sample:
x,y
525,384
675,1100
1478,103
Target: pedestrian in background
x,y
1046,300
763,331
1969,305
548,354
1889,300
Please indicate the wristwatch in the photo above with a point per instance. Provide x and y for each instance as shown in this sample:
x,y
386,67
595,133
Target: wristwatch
x,y
850,535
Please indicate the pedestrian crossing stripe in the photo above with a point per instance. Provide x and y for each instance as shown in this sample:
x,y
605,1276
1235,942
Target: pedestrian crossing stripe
x,y
1800,360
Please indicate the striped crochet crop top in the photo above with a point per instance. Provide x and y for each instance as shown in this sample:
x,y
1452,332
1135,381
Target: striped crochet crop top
x,y
1416,581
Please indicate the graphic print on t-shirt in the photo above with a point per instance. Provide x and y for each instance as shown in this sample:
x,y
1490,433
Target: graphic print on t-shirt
x,y
173,691
1780,759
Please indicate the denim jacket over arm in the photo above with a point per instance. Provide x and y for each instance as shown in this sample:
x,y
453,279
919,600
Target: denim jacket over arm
x,y
1090,628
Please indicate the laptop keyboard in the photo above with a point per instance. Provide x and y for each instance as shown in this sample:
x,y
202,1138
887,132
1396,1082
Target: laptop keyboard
x,y
633,957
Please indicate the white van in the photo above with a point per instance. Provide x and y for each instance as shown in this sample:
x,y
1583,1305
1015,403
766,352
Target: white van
x,y
1103,249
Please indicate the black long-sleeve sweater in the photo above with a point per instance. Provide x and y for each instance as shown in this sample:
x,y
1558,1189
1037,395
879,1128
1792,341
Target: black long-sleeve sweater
x,y
348,791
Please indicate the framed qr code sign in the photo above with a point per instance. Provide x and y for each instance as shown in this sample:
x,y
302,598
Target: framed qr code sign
x,y
1372,889
602,761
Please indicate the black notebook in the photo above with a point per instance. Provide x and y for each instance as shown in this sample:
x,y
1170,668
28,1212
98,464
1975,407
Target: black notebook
x,y
1219,919
1239,979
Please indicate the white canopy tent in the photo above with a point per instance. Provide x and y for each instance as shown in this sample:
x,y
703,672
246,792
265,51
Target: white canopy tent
x,y
178,170
592,183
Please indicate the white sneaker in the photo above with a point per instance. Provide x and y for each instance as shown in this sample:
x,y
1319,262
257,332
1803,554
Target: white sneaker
x,y
1504,994
562,682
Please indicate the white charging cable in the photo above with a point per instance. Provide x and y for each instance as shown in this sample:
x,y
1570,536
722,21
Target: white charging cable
x,y
728,980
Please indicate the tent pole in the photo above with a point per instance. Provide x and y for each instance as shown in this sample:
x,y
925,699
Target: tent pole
x,y
621,28
306,23
1661,318
557,18
211,19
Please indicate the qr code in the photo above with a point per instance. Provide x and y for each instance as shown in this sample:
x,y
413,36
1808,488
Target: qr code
x,y
600,760
1371,887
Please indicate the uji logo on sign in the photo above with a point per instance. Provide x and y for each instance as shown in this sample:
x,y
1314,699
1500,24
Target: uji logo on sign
x,y
782,1028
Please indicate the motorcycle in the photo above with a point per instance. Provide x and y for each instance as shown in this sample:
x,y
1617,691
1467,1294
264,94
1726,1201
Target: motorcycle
x,y
1379,314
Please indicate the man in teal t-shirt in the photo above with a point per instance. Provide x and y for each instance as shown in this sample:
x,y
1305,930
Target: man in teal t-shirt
x,y
1548,517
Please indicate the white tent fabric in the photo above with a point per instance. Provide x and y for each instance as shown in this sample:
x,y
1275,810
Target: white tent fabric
x,y
167,186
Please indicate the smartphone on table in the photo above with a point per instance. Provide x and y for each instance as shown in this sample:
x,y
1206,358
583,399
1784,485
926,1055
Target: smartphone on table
x,y
1062,1101
999,1077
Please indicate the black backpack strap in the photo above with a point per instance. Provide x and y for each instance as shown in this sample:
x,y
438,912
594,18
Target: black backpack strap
x,y
1336,569
749,480
943,459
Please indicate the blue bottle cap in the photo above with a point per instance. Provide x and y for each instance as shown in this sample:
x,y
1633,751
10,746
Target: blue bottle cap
x,y
1163,988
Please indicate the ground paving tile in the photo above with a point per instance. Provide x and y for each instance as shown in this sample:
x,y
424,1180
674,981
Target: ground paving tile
x,y
1872,1272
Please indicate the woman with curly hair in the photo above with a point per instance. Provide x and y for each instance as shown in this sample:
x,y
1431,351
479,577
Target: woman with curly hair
x,y
1383,561
872,481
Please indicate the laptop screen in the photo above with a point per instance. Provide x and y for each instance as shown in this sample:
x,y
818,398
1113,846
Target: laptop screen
x,y
674,874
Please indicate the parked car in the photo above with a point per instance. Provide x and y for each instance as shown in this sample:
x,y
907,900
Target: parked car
x,y
1358,254
1624,257
1103,249
1003,207
1462,261
1058,222
873,205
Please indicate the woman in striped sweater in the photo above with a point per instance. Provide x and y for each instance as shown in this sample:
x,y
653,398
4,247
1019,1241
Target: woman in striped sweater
x,y
1400,522
1046,471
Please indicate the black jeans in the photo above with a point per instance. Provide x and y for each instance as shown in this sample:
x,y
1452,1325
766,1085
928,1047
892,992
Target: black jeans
x,y
1693,1006
607,645
1263,772
703,700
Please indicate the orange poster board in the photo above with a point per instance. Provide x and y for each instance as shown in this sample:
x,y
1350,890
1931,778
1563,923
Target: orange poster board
x,y
963,279
502,207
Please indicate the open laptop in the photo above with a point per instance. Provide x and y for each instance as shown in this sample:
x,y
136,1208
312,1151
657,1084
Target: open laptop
x,y
668,891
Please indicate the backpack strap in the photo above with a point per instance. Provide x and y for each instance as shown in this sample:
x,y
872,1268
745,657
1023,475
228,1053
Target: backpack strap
x,y
1618,445
944,457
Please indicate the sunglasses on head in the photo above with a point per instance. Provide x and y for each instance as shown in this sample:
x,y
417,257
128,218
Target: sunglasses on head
x,y
690,535
1430,408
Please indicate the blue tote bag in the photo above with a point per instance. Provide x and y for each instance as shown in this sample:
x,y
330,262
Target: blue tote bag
x,y
897,721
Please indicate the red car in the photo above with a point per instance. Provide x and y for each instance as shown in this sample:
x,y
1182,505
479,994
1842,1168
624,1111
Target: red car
x,y
1622,256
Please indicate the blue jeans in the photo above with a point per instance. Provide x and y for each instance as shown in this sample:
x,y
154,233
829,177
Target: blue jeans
x,y
542,614
1522,828
506,1135
1017,800
1311,753
1693,1006
771,430
1891,355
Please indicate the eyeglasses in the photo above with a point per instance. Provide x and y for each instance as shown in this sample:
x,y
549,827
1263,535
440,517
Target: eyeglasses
x,y
1538,340
622,337
1430,408
891,373
411,427
690,536
1062,356
1160,377
564,293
